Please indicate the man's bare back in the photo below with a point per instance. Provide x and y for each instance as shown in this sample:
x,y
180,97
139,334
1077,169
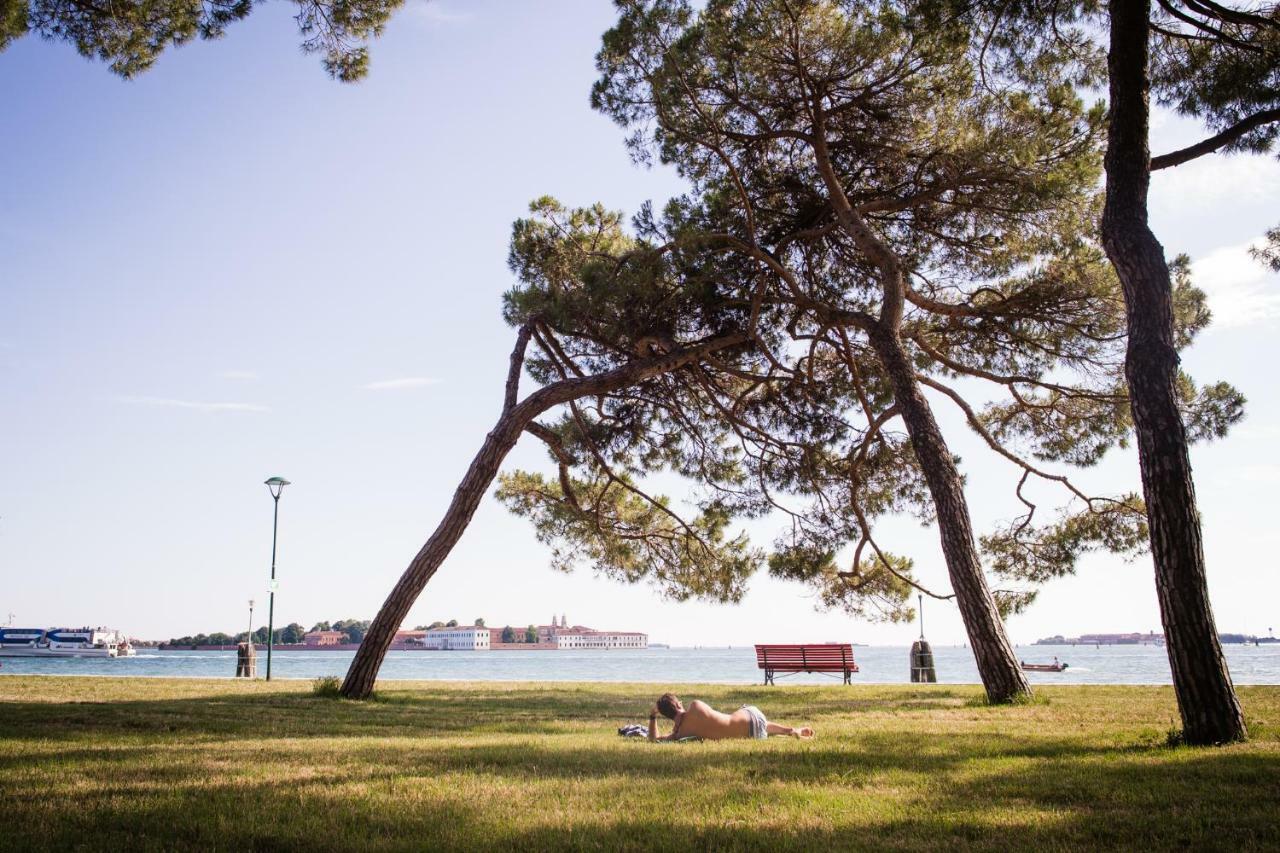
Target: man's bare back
x,y
701,720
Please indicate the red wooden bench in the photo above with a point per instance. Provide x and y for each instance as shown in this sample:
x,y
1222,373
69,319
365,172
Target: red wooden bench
x,y
825,657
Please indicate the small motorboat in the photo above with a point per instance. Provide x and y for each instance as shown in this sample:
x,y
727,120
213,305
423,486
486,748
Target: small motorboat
x,y
1056,666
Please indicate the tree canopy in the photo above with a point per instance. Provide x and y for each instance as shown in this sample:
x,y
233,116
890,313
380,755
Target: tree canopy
x,y
883,201
130,35
1219,63
868,179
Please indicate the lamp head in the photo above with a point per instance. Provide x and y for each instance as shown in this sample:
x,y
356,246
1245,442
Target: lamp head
x,y
276,485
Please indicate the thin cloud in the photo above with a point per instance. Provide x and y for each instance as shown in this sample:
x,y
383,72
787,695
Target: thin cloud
x,y
193,404
402,383
1241,291
434,12
1255,431
1211,180
1260,472
246,375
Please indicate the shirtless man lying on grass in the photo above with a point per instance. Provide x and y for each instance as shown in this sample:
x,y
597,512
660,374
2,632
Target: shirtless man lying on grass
x,y
701,720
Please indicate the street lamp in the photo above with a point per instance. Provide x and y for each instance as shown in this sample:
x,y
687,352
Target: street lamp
x,y
250,637
276,486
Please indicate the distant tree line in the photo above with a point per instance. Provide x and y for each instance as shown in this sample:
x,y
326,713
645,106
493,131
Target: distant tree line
x,y
452,623
512,635
289,635
354,628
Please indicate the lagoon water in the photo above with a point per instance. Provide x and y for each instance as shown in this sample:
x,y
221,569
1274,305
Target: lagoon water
x,y
737,665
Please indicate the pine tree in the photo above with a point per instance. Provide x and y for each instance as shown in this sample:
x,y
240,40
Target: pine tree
x,y
987,271
130,36
651,291
853,153
1219,63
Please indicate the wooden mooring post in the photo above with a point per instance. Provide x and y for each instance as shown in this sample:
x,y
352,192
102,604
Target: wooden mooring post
x,y
246,661
922,669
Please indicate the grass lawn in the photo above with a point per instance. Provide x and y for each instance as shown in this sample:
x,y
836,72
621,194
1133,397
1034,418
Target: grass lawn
x,y
143,764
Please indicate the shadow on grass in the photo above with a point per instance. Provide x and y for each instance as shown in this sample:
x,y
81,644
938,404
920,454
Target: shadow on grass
x,y
422,713
1124,804
539,768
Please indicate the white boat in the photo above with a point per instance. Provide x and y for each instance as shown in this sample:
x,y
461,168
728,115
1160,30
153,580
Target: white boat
x,y
64,643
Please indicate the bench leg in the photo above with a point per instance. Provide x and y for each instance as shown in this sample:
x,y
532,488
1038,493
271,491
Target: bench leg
x,y
768,677
846,677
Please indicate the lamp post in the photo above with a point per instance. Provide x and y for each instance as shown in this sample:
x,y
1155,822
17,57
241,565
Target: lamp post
x,y
276,486
250,637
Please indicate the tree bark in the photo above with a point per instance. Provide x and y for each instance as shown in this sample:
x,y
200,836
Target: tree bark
x,y
363,672
1206,697
998,666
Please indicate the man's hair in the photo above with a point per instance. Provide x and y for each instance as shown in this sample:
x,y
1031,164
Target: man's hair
x,y
667,705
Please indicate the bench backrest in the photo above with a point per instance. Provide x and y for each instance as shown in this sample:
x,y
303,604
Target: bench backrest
x,y
805,656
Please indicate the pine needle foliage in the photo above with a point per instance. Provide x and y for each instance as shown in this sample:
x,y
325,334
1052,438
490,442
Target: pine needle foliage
x,y
130,35
978,178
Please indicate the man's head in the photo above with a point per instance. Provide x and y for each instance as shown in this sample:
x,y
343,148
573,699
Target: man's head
x,y
669,705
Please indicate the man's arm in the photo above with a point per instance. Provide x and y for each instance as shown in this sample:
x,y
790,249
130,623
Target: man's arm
x,y
653,727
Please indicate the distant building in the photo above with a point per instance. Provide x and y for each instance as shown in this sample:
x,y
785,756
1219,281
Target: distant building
x,y
557,635
1134,639
471,638
582,637
586,638
324,638
409,638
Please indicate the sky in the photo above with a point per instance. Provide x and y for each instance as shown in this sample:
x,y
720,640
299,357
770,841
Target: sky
x,y
233,267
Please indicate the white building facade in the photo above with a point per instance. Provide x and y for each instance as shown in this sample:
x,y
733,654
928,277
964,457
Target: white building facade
x,y
601,640
467,639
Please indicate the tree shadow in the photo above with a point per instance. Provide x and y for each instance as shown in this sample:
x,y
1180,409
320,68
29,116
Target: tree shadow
x,y
1124,804
420,713
540,768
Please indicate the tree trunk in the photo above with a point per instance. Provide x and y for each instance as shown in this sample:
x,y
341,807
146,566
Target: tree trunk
x,y
1001,673
998,666
1206,698
484,467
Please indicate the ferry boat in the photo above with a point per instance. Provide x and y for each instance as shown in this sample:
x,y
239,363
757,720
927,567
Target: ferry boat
x,y
64,643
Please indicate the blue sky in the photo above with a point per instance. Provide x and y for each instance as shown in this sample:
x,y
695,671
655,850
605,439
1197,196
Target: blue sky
x,y
234,267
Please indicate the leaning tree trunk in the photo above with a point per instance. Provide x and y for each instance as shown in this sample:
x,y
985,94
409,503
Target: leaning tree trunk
x,y
998,666
484,467
1001,673
1206,698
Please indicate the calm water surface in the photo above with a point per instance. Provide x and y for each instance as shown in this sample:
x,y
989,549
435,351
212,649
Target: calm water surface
x,y
879,665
